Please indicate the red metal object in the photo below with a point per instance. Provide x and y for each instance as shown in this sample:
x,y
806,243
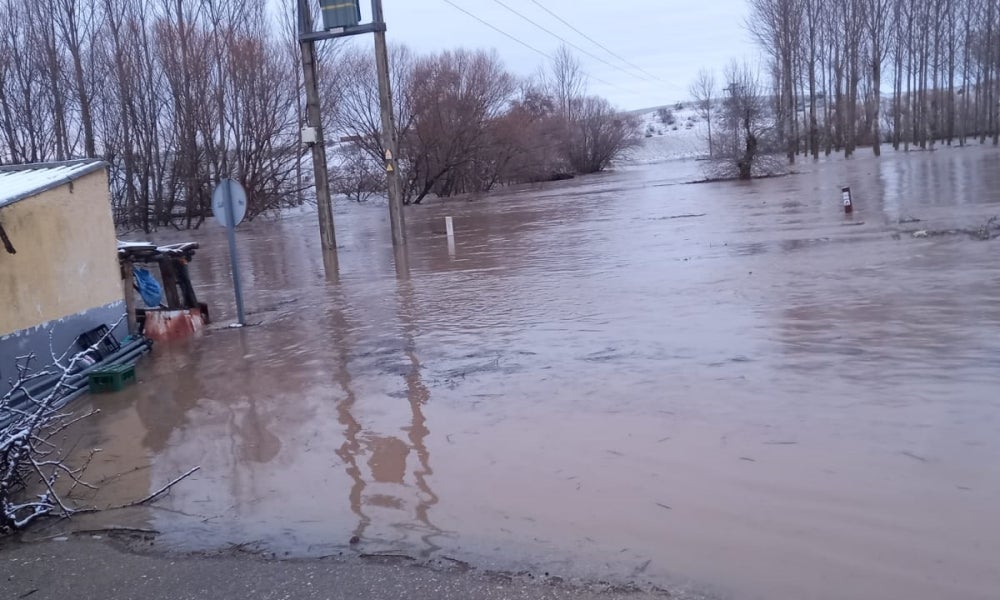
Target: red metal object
x,y
168,325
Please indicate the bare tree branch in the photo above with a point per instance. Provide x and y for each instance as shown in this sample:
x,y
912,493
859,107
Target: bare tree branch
x,y
162,490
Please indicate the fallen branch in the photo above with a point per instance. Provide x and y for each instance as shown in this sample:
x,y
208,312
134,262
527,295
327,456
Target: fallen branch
x,y
32,461
160,491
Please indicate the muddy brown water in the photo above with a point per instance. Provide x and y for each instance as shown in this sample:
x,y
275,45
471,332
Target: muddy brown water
x,y
730,387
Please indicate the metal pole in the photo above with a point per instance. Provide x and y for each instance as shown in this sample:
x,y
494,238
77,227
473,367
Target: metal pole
x,y
389,140
227,193
314,119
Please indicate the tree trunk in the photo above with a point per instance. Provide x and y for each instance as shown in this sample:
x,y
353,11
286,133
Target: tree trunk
x,y
811,15
876,90
996,78
897,100
986,83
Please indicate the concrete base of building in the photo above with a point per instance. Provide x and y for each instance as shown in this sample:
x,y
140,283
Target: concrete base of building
x,y
56,336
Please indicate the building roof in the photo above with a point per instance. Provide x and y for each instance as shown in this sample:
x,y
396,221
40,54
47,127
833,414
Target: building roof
x,y
18,182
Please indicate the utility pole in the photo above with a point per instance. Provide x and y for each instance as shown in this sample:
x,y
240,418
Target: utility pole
x,y
314,120
389,138
734,114
341,19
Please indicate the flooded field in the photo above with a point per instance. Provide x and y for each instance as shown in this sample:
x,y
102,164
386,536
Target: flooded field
x,y
729,387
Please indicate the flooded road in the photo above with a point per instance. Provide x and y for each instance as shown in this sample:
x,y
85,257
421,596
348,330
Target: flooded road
x,y
729,387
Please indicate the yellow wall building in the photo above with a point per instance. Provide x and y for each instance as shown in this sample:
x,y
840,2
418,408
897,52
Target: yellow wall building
x,y
59,273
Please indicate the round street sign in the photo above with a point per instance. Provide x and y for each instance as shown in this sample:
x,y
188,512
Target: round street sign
x,y
232,189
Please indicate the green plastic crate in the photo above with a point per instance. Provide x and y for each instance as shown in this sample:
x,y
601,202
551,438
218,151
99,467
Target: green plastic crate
x,y
111,379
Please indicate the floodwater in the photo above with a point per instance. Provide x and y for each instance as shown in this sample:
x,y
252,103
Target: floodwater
x,y
733,388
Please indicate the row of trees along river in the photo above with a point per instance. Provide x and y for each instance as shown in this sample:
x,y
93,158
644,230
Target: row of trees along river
x,y
847,73
177,94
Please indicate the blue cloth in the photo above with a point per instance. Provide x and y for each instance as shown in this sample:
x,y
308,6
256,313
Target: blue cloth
x,y
149,287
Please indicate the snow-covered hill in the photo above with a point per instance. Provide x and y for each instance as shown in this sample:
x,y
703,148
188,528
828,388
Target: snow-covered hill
x,y
669,133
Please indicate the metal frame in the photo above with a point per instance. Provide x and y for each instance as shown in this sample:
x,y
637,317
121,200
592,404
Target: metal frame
x,y
333,34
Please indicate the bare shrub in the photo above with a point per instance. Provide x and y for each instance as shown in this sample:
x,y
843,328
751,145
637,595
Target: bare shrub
x,y
598,135
359,176
458,97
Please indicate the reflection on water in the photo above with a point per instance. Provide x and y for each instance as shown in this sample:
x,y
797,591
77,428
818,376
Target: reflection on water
x,y
619,376
379,484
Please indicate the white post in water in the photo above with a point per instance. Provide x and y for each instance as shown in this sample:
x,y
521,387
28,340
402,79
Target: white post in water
x,y
449,226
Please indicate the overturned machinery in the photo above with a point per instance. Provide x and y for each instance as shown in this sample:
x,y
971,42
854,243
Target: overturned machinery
x,y
177,314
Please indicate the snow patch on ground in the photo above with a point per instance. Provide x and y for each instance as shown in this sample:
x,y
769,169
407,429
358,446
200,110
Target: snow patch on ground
x,y
684,135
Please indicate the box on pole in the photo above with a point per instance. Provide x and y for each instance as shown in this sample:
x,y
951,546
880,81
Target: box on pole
x,y
339,14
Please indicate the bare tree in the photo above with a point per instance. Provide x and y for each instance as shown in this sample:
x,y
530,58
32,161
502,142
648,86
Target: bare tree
x,y
359,176
878,13
76,21
813,11
528,139
566,81
943,57
991,70
777,24
260,123
598,134
456,97
357,114
741,148
175,94
30,86
703,91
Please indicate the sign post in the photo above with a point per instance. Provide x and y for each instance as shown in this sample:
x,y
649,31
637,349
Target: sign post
x,y
229,204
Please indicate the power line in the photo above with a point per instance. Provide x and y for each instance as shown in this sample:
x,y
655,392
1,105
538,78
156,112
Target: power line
x,y
556,35
527,45
595,42
500,31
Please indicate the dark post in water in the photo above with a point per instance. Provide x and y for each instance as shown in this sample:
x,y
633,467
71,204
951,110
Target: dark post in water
x,y
848,202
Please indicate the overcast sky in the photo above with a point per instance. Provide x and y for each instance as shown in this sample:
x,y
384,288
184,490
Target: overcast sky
x,y
669,39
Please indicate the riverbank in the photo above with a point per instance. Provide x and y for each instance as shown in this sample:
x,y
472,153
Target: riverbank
x,y
110,570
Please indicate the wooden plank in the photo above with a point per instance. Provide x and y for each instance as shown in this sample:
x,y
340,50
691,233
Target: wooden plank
x,y
169,277
184,281
129,292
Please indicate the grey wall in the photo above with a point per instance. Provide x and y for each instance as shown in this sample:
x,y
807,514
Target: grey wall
x,y
62,333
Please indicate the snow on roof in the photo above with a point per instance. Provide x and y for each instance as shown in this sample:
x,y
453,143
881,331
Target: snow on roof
x,y
18,182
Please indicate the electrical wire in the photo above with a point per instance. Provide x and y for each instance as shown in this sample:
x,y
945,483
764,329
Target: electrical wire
x,y
500,31
595,42
559,37
527,45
